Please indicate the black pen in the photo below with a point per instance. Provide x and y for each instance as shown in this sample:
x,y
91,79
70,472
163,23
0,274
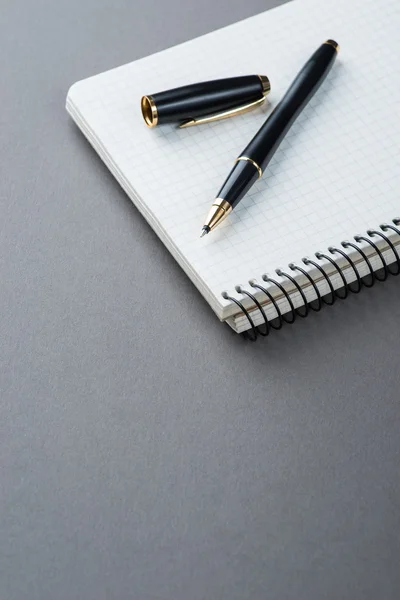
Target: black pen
x,y
250,164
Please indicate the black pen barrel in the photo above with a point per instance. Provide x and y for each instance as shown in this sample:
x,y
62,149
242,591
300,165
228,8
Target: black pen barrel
x,y
267,139
242,176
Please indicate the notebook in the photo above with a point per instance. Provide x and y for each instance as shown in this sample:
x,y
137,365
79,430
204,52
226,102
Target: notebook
x,y
335,175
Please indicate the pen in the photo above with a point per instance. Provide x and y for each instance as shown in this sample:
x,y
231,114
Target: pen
x,y
205,102
250,164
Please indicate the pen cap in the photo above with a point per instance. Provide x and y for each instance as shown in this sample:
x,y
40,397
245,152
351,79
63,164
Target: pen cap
x,y
204,102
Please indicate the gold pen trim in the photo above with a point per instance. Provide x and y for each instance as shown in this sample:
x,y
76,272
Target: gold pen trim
x,y
250,160
149,111
333,44
266,85
232,112
219,210
239,110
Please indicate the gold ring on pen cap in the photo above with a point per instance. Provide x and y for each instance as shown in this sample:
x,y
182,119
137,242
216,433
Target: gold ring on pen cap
x,y
266,85
149,111
333,44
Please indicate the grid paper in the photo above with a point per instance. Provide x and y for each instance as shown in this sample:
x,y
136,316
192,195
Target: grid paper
x,y
334,175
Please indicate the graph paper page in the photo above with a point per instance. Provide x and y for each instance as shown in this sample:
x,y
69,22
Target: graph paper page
x,y
335,174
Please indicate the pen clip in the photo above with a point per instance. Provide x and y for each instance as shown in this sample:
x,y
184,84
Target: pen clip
x,y
239,110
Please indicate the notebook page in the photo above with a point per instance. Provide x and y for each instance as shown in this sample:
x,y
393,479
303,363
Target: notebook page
x,y
335,174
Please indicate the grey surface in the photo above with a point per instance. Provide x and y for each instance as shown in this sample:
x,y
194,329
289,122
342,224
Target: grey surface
x,y
146,451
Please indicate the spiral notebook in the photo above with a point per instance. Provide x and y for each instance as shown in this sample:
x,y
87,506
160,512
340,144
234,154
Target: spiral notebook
x,y
335,175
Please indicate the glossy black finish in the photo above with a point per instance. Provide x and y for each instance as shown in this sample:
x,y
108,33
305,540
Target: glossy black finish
x,y
199,99
238,182
265,142
267,139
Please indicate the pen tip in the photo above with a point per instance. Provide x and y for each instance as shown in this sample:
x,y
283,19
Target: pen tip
x,y
204,231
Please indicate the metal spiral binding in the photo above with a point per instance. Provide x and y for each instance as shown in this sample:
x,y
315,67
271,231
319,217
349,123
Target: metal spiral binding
x,y
318,302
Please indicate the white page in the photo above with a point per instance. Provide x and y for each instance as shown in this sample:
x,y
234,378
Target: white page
x,y
335,175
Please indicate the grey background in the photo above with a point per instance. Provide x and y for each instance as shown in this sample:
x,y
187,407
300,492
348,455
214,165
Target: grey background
x,y
146,451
